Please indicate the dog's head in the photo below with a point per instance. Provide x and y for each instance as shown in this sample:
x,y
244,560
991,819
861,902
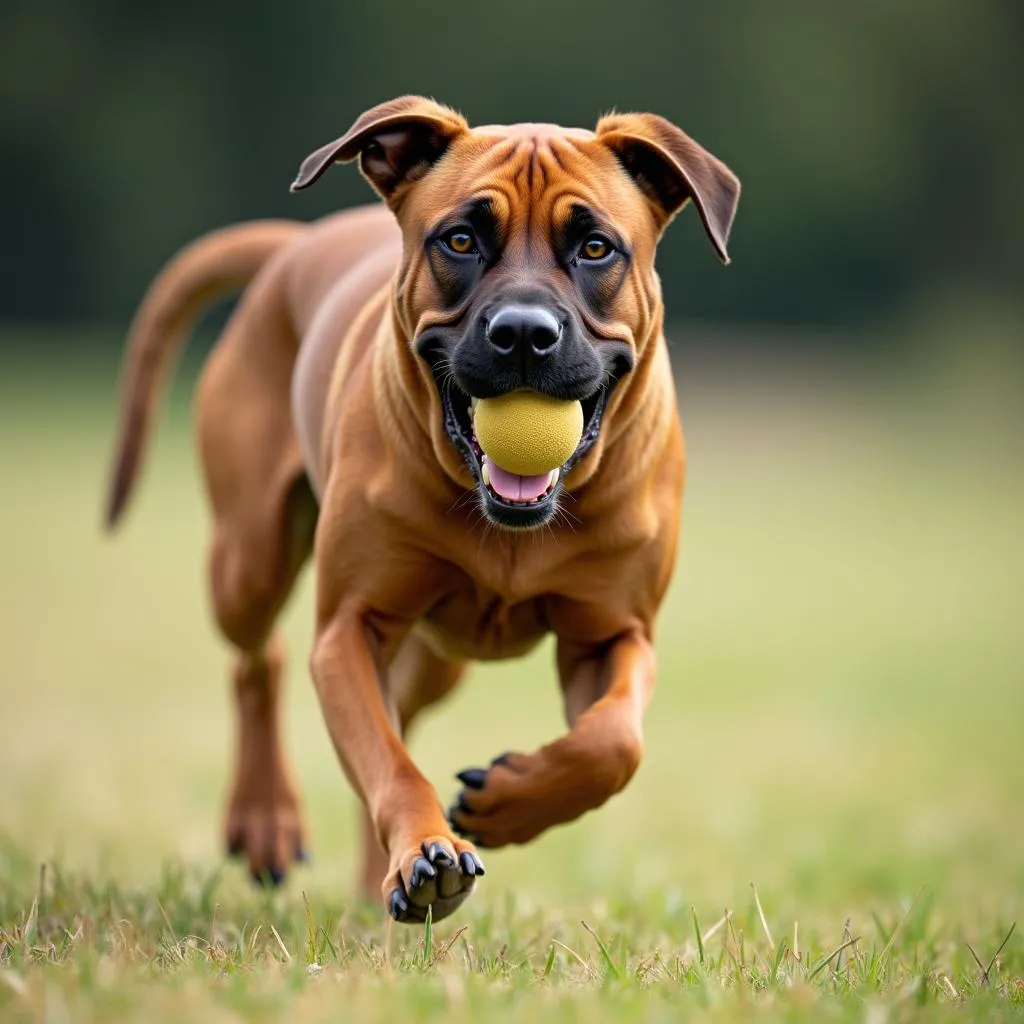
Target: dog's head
x,y
528,260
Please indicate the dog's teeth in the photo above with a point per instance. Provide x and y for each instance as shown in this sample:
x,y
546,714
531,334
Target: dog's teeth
x,y
485,474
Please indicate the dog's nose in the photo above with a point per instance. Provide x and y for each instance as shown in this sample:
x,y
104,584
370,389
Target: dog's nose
x,y
525,334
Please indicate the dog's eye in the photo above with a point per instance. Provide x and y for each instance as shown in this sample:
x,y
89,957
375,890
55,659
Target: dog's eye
x,y
460,241
596,247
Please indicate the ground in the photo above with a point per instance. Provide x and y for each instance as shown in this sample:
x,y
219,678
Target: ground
x,y
835,742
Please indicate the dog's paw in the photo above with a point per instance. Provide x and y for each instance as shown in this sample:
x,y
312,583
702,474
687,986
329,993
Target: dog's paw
x,y
439,875
519,796
475,812
269,835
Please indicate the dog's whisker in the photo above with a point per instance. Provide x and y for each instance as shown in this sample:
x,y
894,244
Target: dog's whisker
x,y
460,502
573,520
563,517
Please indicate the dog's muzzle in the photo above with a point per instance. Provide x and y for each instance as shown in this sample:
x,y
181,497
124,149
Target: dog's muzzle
x,y
517,346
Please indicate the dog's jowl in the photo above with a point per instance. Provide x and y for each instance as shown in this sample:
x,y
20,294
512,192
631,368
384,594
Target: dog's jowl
x,y
509,270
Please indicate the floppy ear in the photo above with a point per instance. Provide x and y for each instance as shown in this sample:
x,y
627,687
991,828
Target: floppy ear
x,y
670,168
396,142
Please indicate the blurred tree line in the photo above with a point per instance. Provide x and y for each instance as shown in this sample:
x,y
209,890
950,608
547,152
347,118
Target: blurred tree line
x,y
879,142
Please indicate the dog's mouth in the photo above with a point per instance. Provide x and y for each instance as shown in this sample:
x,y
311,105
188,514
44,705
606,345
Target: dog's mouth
x,y
510,499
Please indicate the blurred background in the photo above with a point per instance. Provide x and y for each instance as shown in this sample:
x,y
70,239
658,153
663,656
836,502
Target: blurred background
x,y
877,142
842,652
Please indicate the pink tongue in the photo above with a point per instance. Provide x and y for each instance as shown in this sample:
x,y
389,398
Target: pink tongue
x,y
512,486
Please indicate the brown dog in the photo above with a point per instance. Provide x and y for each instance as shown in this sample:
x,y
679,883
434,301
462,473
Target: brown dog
x,y
335,414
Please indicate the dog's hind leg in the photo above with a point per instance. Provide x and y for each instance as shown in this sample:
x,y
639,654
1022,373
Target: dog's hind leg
x,y
417,677
264,519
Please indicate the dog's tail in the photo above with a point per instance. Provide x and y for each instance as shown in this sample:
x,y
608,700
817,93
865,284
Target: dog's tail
x,y
220,262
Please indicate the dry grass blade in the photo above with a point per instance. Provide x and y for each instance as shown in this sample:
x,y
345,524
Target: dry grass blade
x,y
280,942
716,927
824,963
167,920
1002,946
760,914
846,935
995,956
977,959
649,967
310,925
175,948
572,952
445,948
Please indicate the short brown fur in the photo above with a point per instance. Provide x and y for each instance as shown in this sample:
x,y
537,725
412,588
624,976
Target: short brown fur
x,y
320,431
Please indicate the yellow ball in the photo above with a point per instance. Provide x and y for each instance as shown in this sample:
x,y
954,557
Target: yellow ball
x,y
526,432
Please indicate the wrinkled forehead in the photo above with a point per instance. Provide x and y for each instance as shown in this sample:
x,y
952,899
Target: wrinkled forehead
x,y
530,174
527,131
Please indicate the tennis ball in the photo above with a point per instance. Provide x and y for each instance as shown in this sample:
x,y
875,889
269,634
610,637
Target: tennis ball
x,y
526,432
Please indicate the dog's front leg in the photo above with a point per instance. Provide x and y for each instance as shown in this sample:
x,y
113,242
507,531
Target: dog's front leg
x,y
606,688
428,865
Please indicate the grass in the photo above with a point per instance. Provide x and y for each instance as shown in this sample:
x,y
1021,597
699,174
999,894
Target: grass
x,y
827,824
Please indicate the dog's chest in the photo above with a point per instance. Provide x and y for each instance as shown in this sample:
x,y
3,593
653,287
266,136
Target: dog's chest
x,y
481,625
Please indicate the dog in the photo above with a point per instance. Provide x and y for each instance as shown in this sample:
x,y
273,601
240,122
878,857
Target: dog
x,y
335,418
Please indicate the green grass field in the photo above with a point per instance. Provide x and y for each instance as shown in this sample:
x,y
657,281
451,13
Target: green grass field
x,y
839,723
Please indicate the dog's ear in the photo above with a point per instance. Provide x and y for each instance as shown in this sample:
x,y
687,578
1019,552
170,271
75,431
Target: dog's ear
x,y
670,169
396,142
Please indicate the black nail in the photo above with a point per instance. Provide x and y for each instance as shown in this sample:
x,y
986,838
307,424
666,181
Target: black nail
x,y
501,758
474,778
440,856
397,904
468,864
459,807
480,870
422,870
236,848
302,855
